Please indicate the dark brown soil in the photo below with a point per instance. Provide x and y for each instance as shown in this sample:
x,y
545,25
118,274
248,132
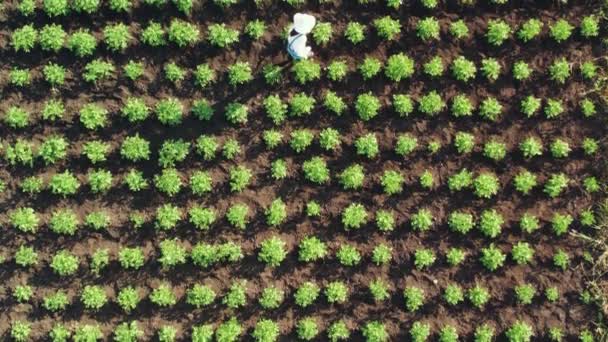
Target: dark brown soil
x,y
512,128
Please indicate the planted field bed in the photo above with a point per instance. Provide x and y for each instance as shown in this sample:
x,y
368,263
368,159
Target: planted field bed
x,y
169,174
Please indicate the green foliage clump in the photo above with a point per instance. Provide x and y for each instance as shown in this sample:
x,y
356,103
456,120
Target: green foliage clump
x,y
424,258
460,222
519,332
559,148
367,106
54,74
354,216
387,27
97,70
348,255
459,29
16,117
64,184
490,223
311,249
464,142
55,302
167,217
414,298
229,331
486,185
561,30
255,29
20,331
498,32
133,70
478,296
427,29
399,67
461,180
307,329
590,26
237,215
117,36
431,103
490,109
183,33
306,70
403,104
169,111
453,294
271,298
492,258
93,116
24,38
560,70
556,184
338,331
163,296
355,32
375,331
301,139
153,35
82,43
490,68
301,105
434,67
316,170
64,263
272,251
370,67
530,105
495,150
336,292
529,30
239,73
135,148
463,69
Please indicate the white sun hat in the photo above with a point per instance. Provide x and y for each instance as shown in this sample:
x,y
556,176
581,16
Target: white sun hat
x,y
303,23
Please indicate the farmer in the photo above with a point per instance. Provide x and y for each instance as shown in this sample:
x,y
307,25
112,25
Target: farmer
x,y
296,41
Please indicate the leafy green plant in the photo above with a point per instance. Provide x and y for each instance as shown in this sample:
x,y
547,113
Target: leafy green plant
x,y
490,223
316,171
307,329
64,263
420,332
560,70
306,70
354,32
559,148
463,69
455,256
414,298
490,109
163,295
272,251
529,30
459,30
239,73
519,332
453,294
490,68
460,222
334,103
172,253
522,72
403,104
336,292
64,184
486,185
406,144
478,296
93,297
370,67
26,256
367,106
427,29
529,223
20,331
375,331
434,67
354,216
100,180
492,258
348,255
255,29
311,249
590,26
495,150
424,258
168,182
306,294
498,32
169,111
236,113
24,38
399,67
16,117
531,147
560,223
271,298
167,217
127,332
525,181
237,215
82,43
56,301
117,36
561,30
387,27
556,184
522,253
183,33
133,70
431,103
222,36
